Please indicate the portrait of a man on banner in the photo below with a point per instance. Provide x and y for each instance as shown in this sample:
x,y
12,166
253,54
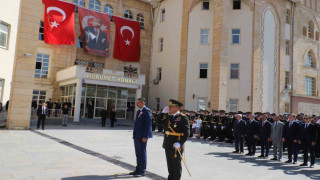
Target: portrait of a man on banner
x,y
95,31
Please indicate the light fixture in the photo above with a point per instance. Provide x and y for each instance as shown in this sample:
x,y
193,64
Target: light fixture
x,y
27,55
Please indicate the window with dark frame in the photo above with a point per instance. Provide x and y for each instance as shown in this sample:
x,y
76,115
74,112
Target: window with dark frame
x,y
4,35
160,45
309,86
163,15
288,16
42,66
39,96
287,47
41,35
108,10
236,4
80,42
234,71
140,19
78,3
159,74
205,5
127,14
203,71
235,36
287,78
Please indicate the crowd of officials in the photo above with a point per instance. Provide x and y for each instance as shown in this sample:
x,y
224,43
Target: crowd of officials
x,y
293,133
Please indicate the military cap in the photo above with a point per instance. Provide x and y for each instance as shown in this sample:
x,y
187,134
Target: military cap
x,y
176,103
240,112
222,111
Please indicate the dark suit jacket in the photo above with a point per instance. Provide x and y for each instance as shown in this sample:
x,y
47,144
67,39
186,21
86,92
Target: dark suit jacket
x,y
308,135
104,114
101,44
239,128
265,130
291,133
252,129
39,111
143,124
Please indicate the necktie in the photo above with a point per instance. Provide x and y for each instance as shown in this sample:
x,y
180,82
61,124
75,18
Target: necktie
x,y
42,110
306,126
290,124
276,124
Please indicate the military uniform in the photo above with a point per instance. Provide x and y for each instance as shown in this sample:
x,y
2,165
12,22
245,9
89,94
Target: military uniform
x,y
176,130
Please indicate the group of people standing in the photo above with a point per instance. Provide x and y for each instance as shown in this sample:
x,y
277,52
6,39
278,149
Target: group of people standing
x,y
294,133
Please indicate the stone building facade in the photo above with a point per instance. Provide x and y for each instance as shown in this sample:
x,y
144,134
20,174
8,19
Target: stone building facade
x,y
256,55
26,86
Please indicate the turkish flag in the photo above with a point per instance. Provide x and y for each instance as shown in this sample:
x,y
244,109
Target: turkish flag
x,y
58,22
127,40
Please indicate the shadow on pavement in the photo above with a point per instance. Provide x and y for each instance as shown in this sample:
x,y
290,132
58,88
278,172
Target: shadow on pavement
x,y
95,177
288,169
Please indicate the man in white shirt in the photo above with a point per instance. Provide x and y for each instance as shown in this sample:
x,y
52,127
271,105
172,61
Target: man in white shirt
x,y
199,122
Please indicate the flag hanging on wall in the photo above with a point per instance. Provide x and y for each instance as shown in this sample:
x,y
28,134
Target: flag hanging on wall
x,y
59,22
127,40
95,31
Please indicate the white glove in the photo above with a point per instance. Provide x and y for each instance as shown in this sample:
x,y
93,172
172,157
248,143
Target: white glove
x,y
166,110
176,145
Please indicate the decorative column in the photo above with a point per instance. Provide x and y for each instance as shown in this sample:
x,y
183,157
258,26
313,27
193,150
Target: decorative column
x,y
77,107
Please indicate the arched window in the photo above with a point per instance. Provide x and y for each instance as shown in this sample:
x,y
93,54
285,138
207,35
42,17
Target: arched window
x,y
108,10
310,59
304,31
94,5
140,19
78,3
311,30
127,14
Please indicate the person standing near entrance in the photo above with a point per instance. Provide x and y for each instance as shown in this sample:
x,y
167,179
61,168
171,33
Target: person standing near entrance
x,y
104,114
42,113
65,115
142,131
90,109
113,115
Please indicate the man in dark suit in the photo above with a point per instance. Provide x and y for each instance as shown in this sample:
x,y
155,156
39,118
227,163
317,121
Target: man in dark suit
x,y
49,106
95,37
141,133
290,136
252,134
239,133
265,133
308,141
176,127
42,113
104,114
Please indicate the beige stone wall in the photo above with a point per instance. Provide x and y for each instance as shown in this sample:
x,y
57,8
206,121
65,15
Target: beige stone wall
x,y
63,56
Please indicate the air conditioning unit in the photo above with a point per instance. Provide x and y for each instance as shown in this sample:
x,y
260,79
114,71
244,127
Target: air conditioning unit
x,y
156,81
288,87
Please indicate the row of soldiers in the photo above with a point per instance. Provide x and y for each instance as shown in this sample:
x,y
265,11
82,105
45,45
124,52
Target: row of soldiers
x,y
221,126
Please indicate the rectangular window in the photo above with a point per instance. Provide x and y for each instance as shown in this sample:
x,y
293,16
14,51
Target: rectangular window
x,y
234,71
287,108
159,74
4,34
235,36
42,66
41,36
204,36
309,86
1,88
288,16
163,15
287,47
234,103
203,71
202,104
236,4
287,78
160,44
205,5
39,96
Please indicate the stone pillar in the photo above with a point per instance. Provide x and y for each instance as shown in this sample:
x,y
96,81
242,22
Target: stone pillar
x,y
77,108
138,95
219,73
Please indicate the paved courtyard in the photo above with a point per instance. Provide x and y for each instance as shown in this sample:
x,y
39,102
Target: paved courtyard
x,y
90,152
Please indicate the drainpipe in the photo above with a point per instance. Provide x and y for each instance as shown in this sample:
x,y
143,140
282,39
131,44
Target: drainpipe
x,y
291,51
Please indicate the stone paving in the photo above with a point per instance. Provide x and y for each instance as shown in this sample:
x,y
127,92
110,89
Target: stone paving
x,y
79,152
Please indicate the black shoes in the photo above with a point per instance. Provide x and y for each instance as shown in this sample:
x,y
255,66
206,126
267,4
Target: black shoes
x,y
132,173
138,175
248,154
274,159
235,152
303,164
289,161
261,156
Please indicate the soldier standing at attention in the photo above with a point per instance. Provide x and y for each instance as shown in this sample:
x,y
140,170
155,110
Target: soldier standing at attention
x,y
176,134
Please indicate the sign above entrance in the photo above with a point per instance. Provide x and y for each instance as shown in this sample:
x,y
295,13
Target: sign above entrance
x,y
109,78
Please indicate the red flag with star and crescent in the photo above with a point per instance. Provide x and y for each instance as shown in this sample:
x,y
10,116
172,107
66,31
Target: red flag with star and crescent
x,y
59,22
127,40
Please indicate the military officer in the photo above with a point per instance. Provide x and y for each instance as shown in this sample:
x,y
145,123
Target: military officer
x,y
176,133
